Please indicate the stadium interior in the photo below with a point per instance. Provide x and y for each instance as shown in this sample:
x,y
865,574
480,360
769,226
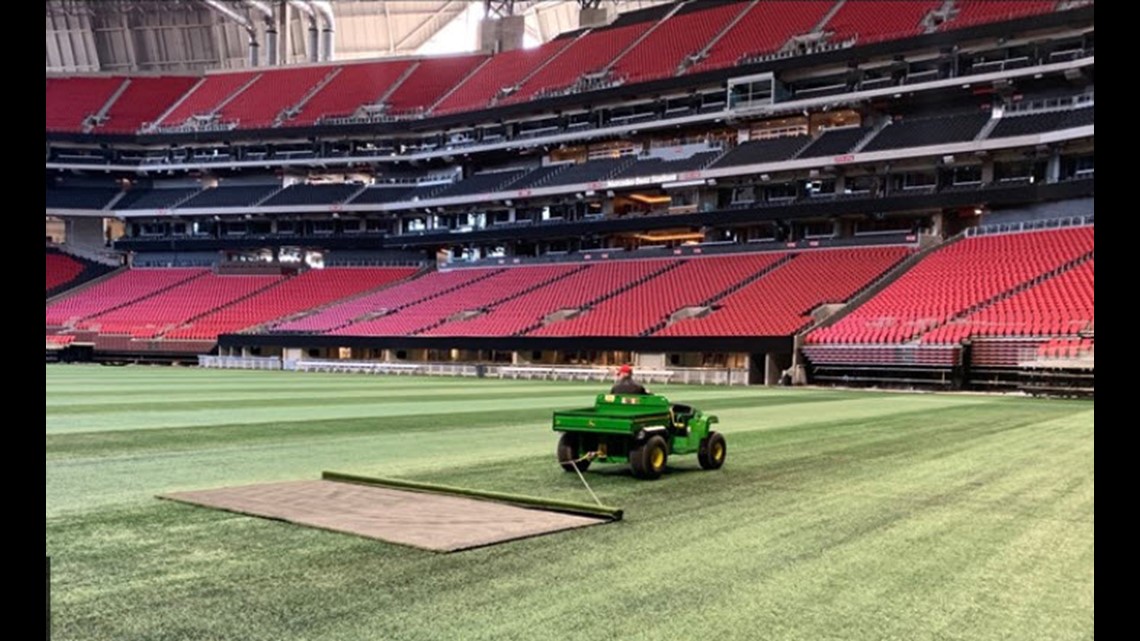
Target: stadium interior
x,y
745,193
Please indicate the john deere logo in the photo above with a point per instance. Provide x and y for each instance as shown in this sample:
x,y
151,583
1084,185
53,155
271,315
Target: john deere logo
x,y
590,423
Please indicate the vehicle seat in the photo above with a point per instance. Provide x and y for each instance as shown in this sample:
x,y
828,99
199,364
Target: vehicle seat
x,y
679,415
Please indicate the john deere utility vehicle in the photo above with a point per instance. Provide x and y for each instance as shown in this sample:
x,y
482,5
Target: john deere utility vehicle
x,y
643,431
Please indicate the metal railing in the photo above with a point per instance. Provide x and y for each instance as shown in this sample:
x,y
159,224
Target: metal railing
x,y
239,362
686,376
1045,105
1050,223
377,367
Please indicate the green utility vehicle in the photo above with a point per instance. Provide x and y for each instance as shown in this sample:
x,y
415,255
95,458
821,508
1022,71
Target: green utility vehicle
x,y
643,431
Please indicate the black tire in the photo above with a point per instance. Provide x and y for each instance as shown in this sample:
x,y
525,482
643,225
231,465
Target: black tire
x,y
568,452
648,460
712,451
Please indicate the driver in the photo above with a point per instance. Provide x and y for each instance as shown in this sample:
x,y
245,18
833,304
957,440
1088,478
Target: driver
x,y
624,383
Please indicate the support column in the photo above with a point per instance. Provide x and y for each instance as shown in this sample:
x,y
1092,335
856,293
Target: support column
x,y
497,35
987,171
650,361
85,231
1053,168
772,370
937,224
593,16
707,199
284,34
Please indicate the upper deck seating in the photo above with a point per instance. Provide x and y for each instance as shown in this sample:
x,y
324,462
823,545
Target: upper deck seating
x,y
355,85
143,101
764,29
70,101
587,54
867,21
661,53
974,12
503,70
431,79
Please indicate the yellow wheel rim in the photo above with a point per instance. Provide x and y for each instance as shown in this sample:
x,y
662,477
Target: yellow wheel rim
x,y
658,458
718,451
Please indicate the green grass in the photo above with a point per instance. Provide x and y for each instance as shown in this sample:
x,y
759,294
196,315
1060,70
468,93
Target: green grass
x,y
838,515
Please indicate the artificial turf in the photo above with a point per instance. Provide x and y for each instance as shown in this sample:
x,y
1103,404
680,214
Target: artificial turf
x,y
838,514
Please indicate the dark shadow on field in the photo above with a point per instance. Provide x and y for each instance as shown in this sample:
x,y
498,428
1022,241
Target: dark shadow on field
x,y
615,470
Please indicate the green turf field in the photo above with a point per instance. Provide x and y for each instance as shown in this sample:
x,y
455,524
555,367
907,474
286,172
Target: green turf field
x,y
838,515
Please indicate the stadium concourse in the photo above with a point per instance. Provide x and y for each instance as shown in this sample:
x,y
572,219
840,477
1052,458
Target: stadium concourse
x,y
718,192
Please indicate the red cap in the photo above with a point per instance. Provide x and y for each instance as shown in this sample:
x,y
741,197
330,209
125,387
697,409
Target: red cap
x,y
625,369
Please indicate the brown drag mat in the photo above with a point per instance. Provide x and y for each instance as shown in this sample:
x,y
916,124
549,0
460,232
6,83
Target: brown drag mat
x,y
430,521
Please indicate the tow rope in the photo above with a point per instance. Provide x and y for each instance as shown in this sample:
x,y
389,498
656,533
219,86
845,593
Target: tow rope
x,y
574,464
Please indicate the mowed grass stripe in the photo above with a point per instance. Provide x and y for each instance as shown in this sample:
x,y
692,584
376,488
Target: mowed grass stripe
x,y
308,398
104,443
241,399
92,381
173,415
275,382
176,415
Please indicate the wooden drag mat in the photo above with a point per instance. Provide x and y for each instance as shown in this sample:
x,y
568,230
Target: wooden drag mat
x,y
410,515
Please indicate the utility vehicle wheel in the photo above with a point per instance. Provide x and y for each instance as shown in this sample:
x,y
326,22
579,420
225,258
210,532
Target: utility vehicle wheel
x,y
648,461
568,452
712,451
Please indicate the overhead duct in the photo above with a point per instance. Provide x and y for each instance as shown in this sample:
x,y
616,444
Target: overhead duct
x,y
314,31
266,12
241,20
324,9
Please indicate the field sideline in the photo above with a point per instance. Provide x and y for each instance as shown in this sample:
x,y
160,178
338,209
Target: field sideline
x,y
838,514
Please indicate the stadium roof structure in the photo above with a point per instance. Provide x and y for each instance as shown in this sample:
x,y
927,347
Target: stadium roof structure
x,y
195,35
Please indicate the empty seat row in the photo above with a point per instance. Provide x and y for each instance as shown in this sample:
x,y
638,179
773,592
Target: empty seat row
x,y
781,302
938,130
306,291
944,288
302,96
